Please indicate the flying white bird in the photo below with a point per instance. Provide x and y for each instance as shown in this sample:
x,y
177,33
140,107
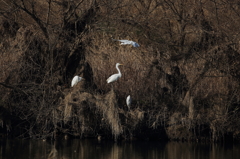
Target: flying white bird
x,y
116,76
129,101
128,42
75,80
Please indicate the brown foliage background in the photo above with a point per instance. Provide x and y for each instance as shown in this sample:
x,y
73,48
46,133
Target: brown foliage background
x,y
184,77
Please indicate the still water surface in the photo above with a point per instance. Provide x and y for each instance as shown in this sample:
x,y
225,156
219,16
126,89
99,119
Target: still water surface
x,y
93,149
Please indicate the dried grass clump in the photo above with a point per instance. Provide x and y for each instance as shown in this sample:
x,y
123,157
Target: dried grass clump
x,y
13,49
110,112
67,112
134,117
103,108
179,127
75,105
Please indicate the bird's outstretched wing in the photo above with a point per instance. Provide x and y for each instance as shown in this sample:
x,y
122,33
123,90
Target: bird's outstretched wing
x,y
135,44
128,42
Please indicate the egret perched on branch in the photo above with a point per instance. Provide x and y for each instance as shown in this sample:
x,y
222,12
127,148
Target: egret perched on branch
x,y
116,76
129,101
75,80
128,42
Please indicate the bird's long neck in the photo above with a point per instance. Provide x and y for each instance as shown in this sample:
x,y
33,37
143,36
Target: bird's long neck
x,y
119,72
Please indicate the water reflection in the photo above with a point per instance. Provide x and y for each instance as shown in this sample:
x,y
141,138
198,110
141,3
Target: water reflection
x,y
93,149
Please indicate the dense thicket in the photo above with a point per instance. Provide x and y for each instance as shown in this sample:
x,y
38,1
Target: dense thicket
x,y
184,77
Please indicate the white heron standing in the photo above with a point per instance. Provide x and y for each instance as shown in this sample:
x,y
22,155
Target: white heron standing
x,y
129,101
128,42
75,80
116,76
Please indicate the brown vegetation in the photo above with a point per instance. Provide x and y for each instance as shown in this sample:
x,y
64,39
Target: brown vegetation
x,y
184,77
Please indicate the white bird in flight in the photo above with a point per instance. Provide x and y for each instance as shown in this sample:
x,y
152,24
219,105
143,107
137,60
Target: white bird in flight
x,y
128,42
75,80
116,76
129,101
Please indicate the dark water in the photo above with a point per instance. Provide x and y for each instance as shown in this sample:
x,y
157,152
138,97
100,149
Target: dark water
x,y
93,149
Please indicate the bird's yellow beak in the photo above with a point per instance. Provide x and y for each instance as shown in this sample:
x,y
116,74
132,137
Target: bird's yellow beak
x,y
120,64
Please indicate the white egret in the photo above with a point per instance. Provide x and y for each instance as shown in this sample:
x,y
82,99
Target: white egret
x,y
75,80
116,76
128,42
129,101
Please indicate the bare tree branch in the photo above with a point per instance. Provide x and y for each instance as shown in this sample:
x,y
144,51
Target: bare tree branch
x,y
34,16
